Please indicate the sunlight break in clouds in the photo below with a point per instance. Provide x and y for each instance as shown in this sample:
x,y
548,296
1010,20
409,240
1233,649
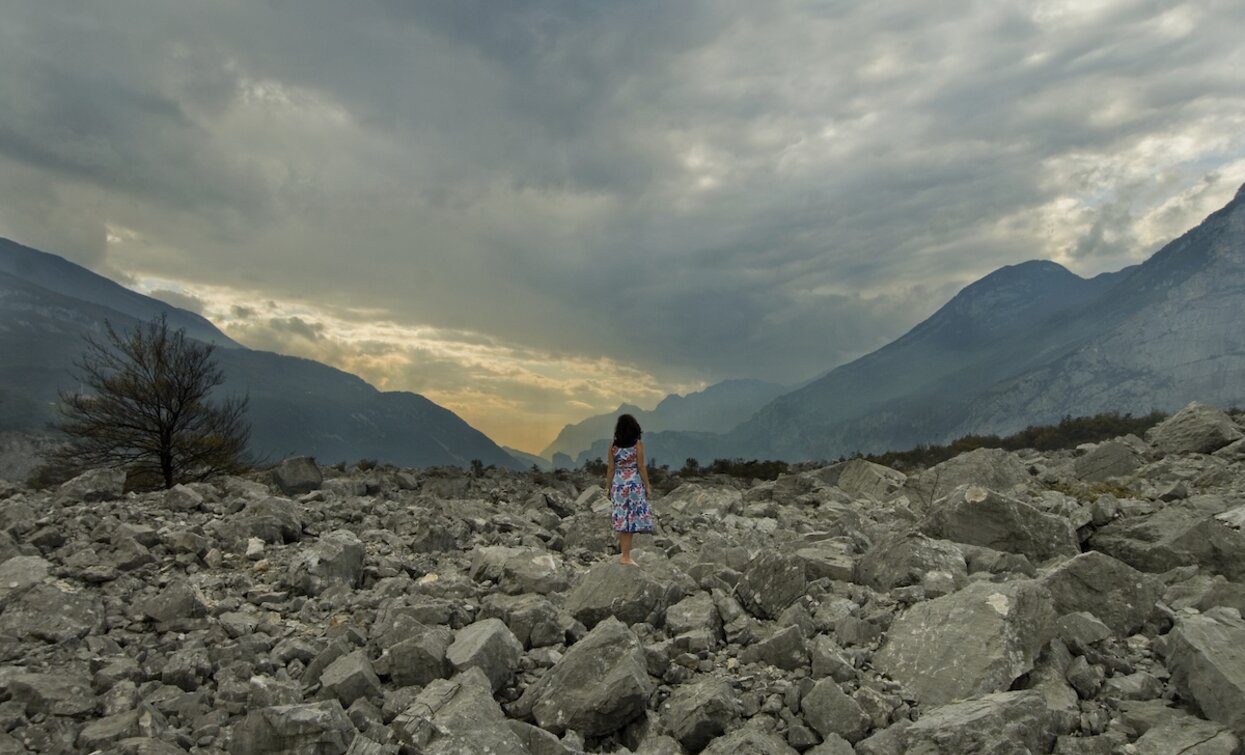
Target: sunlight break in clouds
x,y
516,396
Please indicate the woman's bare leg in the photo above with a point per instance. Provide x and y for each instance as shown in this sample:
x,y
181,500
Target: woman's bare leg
x,y
624,544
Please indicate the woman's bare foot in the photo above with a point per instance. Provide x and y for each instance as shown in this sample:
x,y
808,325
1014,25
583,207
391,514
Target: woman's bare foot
x,y
627,562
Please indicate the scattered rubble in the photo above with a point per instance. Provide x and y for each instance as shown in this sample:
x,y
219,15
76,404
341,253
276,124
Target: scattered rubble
x,y
1072,602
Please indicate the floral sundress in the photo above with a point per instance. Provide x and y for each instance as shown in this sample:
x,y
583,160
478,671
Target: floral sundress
x,y
631,512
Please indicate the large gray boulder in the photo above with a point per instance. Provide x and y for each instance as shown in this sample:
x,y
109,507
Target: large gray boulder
x,y
273,520
457,717
47,612
1206,657
696,713
864,479
1119,595
336,558
95,485
180,600
908,558
979,516
829,711
1003,722
320,728
971,642
1197,428
784,648
490,646
771,581
1180,534
749,741
54,694
350,678
833,559
298,475
20,573
598,687
991,468
1187,735
421,658
626,593
1107,460
518,571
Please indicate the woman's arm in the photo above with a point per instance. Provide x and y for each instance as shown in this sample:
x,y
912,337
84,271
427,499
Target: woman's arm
x,y
609,472
639,459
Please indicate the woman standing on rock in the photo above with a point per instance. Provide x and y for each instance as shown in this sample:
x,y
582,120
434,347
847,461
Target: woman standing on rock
x,y
626,479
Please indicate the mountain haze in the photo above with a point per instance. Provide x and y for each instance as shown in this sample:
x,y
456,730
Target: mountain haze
x,y
297,406
715,409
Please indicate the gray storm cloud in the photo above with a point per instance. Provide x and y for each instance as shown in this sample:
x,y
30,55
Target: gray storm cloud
x,y
702,190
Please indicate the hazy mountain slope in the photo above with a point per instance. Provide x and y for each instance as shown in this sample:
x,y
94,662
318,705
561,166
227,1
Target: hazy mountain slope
x,y
297,406
1030,344
1176,334
921,380
57,274
715,409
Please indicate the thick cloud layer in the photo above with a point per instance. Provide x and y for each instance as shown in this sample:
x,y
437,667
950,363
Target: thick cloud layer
x,y
533,210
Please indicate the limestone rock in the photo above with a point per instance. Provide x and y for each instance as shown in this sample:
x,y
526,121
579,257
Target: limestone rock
x,y
273,520
337,558
974,641
864,479
698,712
991,468
695,612
771,582
1003,722
1188,735
784,649
978,516
748,741
50,613
626,593
420,659
519,570
599,686
489,646
1206,657
95,485
350,678
1119,595
180,600
54,694
294,729
297,475
19,574
830,711
906,558
1182,534
1107,460
1197,428
832,559
183,498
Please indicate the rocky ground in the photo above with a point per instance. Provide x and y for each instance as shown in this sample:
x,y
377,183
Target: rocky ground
x,y
1075,602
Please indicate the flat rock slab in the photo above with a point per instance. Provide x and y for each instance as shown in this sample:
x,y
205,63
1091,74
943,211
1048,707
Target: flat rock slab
x,y
49,613
1119,595
598,687
57,694
321,728
1107,460
968,643
979,516
1188,735
1206,657
19,574
1003,722
991,468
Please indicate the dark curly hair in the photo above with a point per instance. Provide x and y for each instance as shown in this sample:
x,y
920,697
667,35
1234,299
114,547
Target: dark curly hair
x,y
626,431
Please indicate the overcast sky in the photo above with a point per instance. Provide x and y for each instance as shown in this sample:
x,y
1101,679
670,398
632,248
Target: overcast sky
x,y
531,211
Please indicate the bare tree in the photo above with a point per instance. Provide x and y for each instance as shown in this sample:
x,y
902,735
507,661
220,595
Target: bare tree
x,y
144,405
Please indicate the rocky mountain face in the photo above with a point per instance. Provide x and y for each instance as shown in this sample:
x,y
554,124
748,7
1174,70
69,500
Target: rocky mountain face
x,y
1071,602
716,409
1027,344
297,406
